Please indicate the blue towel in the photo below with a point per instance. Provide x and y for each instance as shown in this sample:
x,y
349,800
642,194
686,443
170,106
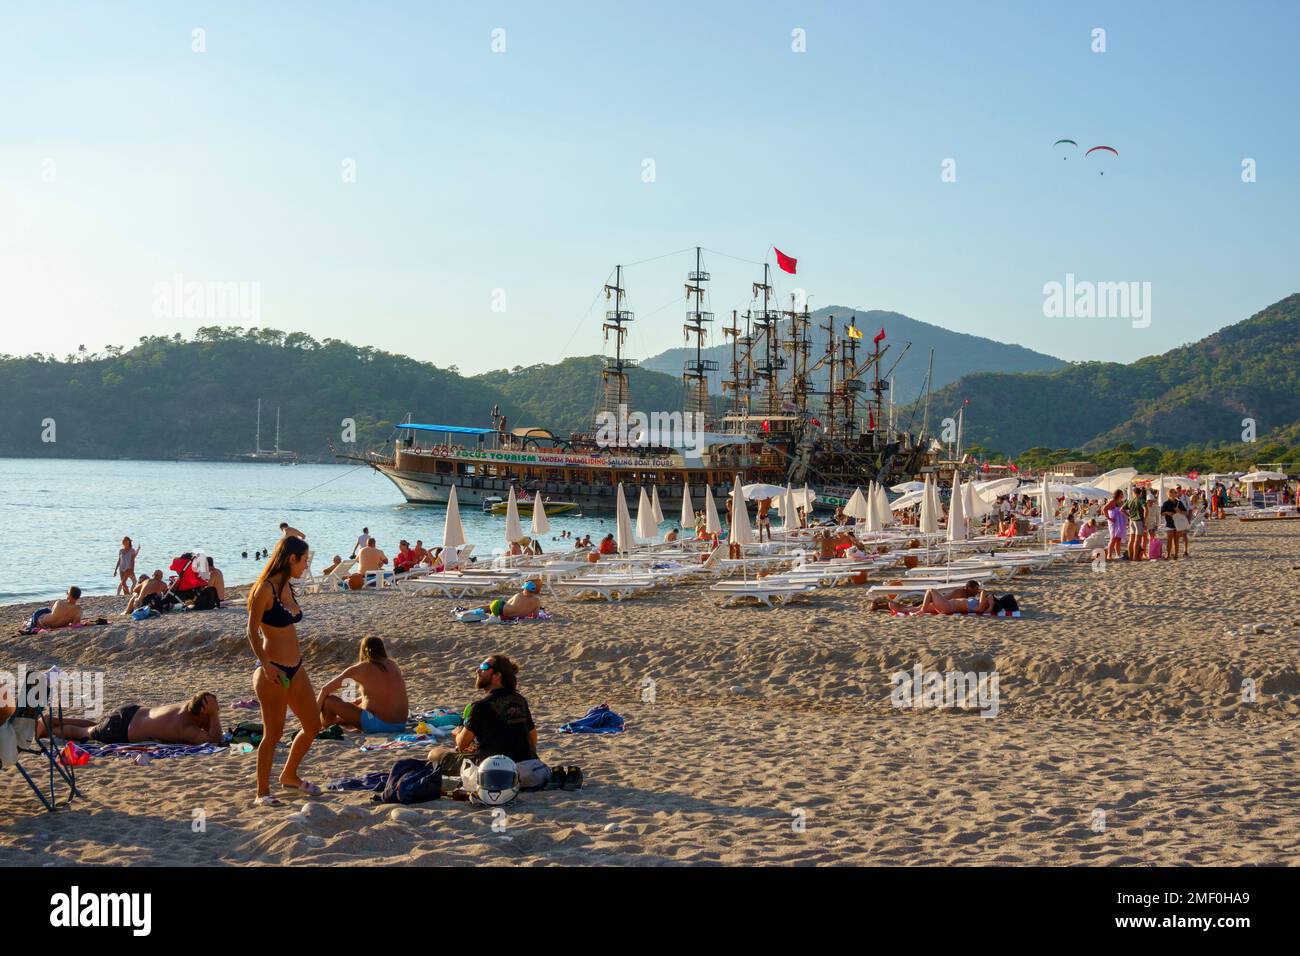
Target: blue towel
x,y
374,782
598,720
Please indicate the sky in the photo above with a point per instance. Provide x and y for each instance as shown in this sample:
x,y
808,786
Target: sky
x,y
457,181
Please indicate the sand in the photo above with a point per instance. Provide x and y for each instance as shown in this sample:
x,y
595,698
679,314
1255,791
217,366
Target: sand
x,y
1121,735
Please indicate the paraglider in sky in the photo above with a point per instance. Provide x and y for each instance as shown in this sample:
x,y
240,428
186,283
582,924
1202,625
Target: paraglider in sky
x,y
1108,149
1060,141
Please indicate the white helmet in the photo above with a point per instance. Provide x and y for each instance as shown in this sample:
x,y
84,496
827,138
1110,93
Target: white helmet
x,y
496,781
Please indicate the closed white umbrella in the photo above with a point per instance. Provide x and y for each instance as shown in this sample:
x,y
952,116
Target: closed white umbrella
x,y
967,507
741,533
872,522
540,524
857,505
453,532
881,503
929,522
647,529
1046,494
688,510
711,523
623,523
957,511
514,532
654,505
789,513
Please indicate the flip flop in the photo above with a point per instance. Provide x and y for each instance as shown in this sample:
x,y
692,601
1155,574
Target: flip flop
x,y
267,800
304,786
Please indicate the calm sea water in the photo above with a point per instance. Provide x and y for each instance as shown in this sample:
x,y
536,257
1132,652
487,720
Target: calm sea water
x,y
62,522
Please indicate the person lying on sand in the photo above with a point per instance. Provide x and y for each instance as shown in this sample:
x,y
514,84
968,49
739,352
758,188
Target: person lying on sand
x,y
525,603
969,598
62,614
154,584
193,721
498,723
381,705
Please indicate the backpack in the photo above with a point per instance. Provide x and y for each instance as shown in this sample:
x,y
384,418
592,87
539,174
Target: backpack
x,y
1006,602
206,600
411,780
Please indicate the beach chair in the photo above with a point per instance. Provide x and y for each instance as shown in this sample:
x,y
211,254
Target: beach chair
x,y
18,739
611,587
767,591
454,585
331,581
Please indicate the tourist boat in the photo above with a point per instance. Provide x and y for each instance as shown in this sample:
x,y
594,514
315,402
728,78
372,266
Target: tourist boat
x,y
497,506
777,429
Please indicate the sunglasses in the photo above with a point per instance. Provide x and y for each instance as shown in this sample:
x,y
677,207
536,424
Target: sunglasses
x,y
485,666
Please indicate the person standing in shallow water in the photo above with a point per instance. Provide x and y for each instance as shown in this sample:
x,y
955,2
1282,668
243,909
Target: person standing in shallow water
x,y
280,682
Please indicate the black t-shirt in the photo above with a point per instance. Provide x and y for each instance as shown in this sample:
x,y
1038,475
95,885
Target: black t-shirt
x,y
1170,508
500,723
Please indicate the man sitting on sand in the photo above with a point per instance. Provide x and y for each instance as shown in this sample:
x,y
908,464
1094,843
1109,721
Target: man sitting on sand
x,y
370,558
148,587
195,721
498,723
381,705
62,614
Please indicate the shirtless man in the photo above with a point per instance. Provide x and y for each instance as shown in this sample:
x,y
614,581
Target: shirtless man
x,y
63,613
193,721
217,580
422,555
288,530
764,519
525,603
150,585
381,705
370,558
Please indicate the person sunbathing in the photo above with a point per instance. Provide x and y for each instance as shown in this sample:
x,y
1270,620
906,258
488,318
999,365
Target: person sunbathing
x,y
147,588
193,721
370,558
1070,530
65,612
970,598
524,603
381,706
334,563
422,555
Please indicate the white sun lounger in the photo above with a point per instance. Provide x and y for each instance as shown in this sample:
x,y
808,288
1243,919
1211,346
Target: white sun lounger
x,y
331,580
611,587
768,591
456,585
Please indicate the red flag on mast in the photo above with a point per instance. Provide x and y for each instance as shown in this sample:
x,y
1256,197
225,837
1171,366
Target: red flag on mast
x,y
880,336
787,263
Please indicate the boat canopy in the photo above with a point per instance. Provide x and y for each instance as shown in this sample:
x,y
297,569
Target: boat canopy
x,y
449,429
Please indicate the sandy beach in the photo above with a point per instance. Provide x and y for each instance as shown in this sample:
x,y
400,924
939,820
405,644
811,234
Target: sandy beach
x,y
771,738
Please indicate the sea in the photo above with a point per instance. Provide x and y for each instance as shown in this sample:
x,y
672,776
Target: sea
x,y
62,520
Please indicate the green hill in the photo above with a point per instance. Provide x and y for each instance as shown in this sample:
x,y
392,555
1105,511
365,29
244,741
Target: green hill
x,y
1194,394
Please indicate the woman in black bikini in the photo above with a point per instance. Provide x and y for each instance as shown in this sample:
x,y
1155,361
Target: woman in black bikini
x,y
279,681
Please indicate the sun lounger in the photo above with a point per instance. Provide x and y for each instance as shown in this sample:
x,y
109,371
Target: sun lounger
x,y
611,587
331,580
767,591
454,585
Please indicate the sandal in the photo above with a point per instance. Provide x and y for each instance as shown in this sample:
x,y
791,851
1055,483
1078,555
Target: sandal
x,y
304,786
267,800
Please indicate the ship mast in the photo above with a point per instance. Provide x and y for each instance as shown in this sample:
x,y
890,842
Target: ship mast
x,y
613,372
767,325
277,429
695,371
798,347
829,360
852,384
731,386
257,445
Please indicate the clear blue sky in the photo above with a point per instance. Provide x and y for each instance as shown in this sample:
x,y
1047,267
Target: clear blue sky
x,y
522,170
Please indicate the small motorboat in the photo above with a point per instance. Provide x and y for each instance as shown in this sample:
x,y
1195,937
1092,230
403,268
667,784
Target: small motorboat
x,y
498,507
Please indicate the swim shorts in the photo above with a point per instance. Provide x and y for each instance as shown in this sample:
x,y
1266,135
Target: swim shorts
x,y
114,729
371,724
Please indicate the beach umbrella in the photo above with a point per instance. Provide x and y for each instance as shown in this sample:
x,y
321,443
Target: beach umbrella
x,y
929,523
1046,494
907,500
758,491
711,523
646,527
805,499
978,506
741,532
1115,479
857,505
956,514
907,487
967,506
514,532
688,510
654,505
623,523
872,516
881,503
540,524
453,532
789,511
995,488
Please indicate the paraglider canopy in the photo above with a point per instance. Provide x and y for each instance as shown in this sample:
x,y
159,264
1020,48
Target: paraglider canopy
x,y
1108,149
1070,141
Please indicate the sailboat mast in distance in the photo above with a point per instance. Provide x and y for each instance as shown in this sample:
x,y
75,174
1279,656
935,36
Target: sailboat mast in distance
x,y
767,327
613,373
695,371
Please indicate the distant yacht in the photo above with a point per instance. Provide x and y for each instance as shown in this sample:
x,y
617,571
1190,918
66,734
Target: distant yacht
x,y
276,455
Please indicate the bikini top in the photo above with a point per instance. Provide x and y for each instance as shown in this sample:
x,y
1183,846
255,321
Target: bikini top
x,y
277,615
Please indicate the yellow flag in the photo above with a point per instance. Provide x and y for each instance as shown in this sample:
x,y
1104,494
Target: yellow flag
x,y
854,332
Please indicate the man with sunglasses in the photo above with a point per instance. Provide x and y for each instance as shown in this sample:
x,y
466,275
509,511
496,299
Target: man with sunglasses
x,y
498,723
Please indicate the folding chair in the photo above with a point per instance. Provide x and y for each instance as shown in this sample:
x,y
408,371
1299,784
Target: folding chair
x,y
32,704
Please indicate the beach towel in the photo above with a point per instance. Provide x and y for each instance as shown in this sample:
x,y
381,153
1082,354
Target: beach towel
x,y
373,782
402,741
154,750
916,612
598,720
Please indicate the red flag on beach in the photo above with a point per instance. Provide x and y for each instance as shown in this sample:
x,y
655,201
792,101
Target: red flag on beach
x,y
880,336
1012,466
787,263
